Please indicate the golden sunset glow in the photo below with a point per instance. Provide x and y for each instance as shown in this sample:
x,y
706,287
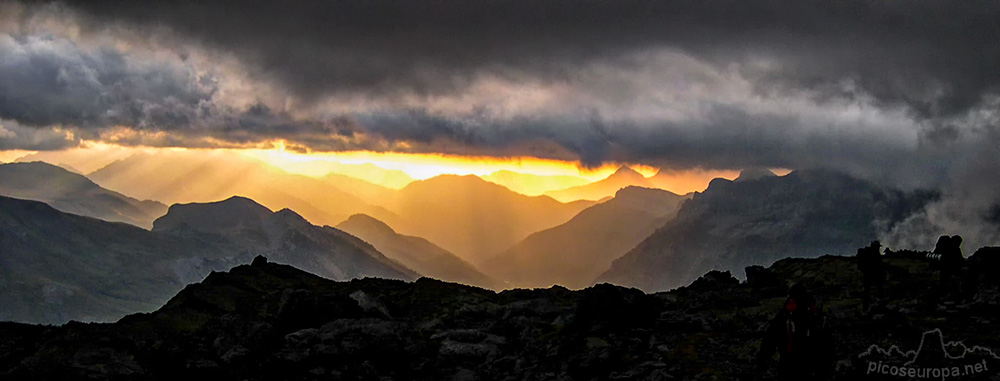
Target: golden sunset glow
x,y
8,156
424,166
527,175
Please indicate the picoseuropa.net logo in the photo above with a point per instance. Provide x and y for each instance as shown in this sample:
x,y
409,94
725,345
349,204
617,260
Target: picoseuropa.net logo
x,y
934,359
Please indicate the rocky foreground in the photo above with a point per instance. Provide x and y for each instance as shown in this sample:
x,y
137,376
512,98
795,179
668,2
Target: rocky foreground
x,y
268,321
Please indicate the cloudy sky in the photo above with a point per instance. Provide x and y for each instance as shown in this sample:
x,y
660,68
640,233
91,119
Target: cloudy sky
x,y
901,91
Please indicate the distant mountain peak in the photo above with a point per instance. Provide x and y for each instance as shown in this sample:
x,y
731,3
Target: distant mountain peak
x,y
718,182
213,216
290,216
606,187
755,173
626,171
239,199
242,204
632,190
367,223
450,181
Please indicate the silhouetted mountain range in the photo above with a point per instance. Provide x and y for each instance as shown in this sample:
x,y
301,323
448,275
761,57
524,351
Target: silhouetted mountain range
x,y
416,253
73,193
736,224
575,253
58,266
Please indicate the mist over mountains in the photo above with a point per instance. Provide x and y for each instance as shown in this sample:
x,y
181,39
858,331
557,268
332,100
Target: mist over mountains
x,y
455,228
598,190
575,253
734,224
475,218
416,253
185,177
73,193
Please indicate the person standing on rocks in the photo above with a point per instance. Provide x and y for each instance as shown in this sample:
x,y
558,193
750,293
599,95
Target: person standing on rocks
x,y
798,333
872,272
952,260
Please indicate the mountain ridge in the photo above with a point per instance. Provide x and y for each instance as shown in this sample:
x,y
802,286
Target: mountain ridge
x,y
58,266
736,224
75,193
623,177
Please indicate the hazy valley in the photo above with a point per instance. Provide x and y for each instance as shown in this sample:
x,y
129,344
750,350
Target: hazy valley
x,y
454,228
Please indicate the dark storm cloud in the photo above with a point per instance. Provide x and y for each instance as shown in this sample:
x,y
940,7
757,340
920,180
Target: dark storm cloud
x,y
937,58
13,136
45,80
925,64
904,92
731,138
50,82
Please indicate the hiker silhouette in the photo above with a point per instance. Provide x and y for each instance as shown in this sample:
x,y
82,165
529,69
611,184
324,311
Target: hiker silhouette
x,y
798,333
872,272
952,260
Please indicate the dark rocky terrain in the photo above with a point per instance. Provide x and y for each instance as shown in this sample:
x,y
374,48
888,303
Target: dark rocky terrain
x,y
268,321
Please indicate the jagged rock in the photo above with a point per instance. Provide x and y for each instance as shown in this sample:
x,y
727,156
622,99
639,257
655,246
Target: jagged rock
x,y
259,260
759,277
715,279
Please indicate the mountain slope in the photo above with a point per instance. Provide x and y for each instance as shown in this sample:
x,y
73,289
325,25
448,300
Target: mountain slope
x,y
574,253
416,253
622,178
57,266
474,218
73,193
736,224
